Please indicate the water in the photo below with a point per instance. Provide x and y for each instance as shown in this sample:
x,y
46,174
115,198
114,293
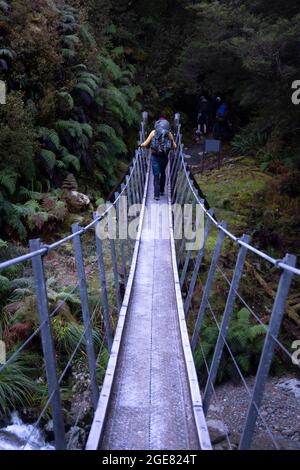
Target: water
x,y
21,436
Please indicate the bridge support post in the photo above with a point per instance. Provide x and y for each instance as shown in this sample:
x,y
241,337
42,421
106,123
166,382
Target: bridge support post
x,y
267,353
130,202
188,300
48,346
175,176
139,177
86,315
183,241
131,182
178,215
126,215
179,183
102,279
207,288
225,323
135,181
114,264
143,165
186,264
187,259
174,160
121,240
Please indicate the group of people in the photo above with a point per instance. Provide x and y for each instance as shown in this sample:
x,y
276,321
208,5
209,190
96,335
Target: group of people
x,y
212,117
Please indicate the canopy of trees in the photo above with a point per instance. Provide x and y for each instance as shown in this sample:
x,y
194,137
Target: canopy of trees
x,y
75,72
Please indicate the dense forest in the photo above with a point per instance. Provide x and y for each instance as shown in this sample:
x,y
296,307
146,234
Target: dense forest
x,y
79,73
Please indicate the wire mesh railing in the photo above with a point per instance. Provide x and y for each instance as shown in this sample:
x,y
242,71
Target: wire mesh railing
x,y
94,322
202,270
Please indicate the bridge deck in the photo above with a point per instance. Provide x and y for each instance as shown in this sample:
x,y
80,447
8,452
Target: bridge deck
x,y
150,404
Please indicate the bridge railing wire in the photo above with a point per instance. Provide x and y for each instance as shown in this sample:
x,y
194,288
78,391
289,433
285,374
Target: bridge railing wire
x,y
185,190
113,257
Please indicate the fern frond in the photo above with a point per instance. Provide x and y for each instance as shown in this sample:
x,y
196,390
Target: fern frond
x,y
25,192
49,158
73,161
67,98
79,68
7,52
106,130
49,134
8,179
68,54
87,36
109,68
84,87
87,130
71,41
101,146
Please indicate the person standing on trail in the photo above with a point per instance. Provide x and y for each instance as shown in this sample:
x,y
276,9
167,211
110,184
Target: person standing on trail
x,y
221,119
203,115
161,142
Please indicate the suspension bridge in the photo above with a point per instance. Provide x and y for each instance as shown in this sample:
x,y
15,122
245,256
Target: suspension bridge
x,y
150,397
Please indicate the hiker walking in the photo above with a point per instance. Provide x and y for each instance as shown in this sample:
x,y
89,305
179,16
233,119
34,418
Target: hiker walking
x,y
161,142
220,122
202,118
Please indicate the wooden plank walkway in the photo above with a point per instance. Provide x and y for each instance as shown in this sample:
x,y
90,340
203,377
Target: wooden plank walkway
x,y
150,404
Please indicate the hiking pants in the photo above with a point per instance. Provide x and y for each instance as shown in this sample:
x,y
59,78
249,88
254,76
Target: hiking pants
x,y
159,165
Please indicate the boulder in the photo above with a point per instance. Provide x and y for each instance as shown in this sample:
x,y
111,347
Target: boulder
x,y
79,198
76,438
217,430
291,385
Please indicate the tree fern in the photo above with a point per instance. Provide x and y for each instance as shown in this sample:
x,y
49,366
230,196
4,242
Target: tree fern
x,y
71,161
67,99
49,158
79,68
109,68
101,146
7,52
113,142
85,88
117,103
68,54
87,36
68,18
3,244
8,180
51,135
68,27
104,129
71,41
87,130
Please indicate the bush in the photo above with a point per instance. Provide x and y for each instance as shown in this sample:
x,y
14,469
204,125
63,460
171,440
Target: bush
x,y
245,341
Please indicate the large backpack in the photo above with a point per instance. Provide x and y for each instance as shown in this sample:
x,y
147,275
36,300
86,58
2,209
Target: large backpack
x,y
162,124
161,143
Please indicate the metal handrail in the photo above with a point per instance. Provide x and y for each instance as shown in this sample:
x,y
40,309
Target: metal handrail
x,y
47,248
276,262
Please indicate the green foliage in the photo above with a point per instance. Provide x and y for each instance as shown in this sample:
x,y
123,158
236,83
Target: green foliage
x,y
5,289
18,387
68,334
245,340
8,180
49,158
